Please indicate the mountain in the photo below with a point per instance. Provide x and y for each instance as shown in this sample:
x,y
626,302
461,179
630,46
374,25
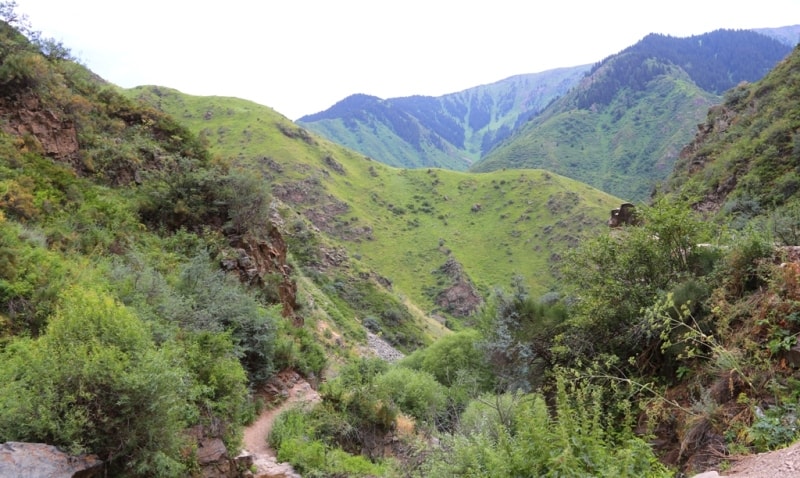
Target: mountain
x,y
622,127
788,35
742,163
413,227
450,131
163,256
167,278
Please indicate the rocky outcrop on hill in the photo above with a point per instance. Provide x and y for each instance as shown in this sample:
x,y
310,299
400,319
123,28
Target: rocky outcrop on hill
x,y
262,262
23,460
693,158
461,298
50,130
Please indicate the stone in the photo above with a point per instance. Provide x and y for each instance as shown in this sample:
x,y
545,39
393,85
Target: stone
x,y
39,460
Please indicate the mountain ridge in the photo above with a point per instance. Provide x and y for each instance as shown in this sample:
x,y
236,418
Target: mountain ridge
x,y
649,93
450,131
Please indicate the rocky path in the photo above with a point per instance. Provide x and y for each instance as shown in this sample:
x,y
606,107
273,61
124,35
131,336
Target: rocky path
x,y
298,392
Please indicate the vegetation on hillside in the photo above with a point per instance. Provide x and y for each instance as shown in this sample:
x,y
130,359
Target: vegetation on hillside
x,y
622,127
742,164
161,259
450,131
118,331
404,225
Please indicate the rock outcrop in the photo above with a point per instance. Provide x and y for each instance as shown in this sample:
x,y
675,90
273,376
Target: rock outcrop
x,y
262,263
53,132
625,215
461,298
38,460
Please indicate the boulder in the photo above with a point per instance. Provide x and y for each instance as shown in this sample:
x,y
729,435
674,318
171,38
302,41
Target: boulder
x,y
38,460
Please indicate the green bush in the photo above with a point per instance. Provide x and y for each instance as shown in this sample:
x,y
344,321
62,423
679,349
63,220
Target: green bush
x,y
415,393
454,359
216,302
743,262
516,435
296,348
294,436
96,382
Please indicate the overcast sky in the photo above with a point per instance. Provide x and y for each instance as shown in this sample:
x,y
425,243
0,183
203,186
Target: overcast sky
x,y
301,57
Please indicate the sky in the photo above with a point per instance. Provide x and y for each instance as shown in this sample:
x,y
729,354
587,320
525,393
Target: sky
x,y
302,56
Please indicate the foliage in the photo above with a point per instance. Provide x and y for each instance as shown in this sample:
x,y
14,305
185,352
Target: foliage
x,y
214,301
296,348
615,278
293,436
455,359
518,332
30,279
775,428
354,417
515,435
202,299
415,393
96,382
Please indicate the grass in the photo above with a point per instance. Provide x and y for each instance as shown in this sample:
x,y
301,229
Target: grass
x,y
403,224
624,148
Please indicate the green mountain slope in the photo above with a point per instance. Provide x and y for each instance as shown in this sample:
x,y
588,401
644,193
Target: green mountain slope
x,y
404,224
622,128
450,131
743,161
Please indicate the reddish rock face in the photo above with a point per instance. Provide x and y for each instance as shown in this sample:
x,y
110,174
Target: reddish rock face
x,y
257,259
55,133
461,298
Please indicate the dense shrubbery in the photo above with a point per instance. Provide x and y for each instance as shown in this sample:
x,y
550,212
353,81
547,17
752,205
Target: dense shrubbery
x,y
517,435
96,382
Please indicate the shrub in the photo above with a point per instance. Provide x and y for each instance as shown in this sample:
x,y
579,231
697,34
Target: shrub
x,y
515,435
454,359
294,436
415,393
96,382
213,301
743,263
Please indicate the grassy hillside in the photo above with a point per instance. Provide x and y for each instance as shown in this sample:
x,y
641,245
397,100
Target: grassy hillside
x,y
626,147
451,131
157,270
743,161
405,224
622,127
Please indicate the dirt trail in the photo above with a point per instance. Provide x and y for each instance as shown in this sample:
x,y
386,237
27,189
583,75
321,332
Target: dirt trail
x,y
255,436
779,463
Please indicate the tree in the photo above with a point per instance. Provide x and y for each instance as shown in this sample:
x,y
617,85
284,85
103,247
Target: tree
x,y
518,331
613,277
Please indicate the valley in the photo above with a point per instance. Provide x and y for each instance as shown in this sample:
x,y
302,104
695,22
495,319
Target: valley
x,y
177,272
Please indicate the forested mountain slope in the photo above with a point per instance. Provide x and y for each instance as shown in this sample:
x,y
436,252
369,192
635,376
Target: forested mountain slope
x,y
450,131
622,127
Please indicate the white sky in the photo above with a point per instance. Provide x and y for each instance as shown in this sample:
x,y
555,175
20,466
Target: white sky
x,y
301,57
